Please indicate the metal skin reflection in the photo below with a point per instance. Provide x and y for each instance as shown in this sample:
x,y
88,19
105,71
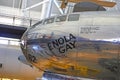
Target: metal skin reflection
x,y
81,51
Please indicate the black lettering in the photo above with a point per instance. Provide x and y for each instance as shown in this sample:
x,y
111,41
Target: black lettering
x,y
55,43
50,46
72,44
32,58
68,47
72,37
62,44
62,49
61,41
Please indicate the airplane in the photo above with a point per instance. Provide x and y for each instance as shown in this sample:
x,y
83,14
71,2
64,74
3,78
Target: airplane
x,y
12,69
100,2
80,44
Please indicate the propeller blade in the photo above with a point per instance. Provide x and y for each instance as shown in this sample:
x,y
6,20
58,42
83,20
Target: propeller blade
x,y
102,3
64,3
106,3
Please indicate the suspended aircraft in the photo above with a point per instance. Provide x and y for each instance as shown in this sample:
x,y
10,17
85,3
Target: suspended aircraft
x,y
80,44
11,68
100,2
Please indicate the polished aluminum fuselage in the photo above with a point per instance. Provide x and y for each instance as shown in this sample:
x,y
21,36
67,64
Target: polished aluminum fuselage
x,y
76,46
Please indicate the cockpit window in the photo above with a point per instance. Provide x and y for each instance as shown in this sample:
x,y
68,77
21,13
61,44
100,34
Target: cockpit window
x,y
73,17
61,18
47,21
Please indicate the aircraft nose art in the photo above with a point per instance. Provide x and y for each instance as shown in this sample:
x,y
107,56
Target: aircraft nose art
x,y
48,45
62,44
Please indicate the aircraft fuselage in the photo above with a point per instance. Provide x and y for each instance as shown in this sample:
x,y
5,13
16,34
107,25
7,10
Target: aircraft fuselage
x,y
73,44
